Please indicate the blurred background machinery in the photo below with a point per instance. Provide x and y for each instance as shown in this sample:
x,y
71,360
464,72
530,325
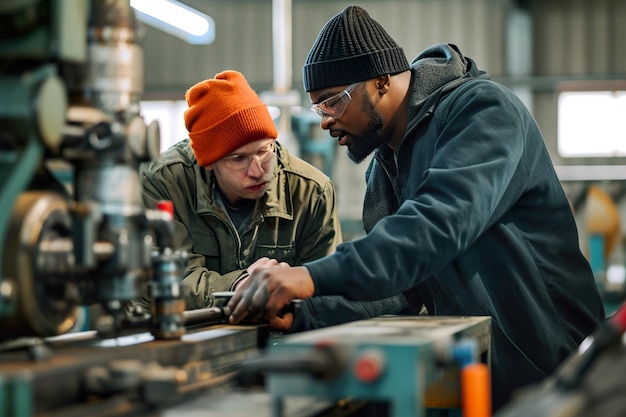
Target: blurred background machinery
x,y
600,228
316,145
588,383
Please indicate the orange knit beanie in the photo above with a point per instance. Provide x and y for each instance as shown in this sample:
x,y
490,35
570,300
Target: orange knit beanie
x,y
224,114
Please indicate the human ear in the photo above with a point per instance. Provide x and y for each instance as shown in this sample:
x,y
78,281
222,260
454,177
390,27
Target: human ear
x,y
382,83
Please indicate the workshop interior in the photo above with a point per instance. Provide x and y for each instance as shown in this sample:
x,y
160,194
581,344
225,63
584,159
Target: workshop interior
x,y
91,89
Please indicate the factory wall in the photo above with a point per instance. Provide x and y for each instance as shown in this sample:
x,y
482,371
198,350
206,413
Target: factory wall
x,y
244,37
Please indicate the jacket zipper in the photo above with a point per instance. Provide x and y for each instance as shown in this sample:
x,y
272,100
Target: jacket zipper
x,y
229,224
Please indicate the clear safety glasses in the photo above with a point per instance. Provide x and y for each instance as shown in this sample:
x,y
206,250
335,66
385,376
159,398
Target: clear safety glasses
x,y
335,106
242,161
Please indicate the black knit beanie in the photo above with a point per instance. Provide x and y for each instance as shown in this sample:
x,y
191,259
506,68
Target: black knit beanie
x,y
351,47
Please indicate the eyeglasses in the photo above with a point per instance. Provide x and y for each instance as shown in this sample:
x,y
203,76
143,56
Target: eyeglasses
x,y
335,106
242,161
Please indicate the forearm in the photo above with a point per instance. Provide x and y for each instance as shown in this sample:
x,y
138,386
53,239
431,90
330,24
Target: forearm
x,y
199,284
324,311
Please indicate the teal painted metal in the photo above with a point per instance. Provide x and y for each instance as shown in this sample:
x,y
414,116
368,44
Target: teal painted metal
x,y
314,141
4,396
19,160
404,353
22,397
18,172
407,372
596,253
16,395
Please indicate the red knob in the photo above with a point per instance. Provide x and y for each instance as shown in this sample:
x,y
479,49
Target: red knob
x,y
166,205
369,366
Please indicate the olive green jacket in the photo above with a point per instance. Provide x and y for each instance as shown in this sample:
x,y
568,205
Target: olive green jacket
x,y
295,221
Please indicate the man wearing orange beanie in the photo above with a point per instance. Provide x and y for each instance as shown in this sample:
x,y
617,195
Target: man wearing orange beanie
x,y
242,201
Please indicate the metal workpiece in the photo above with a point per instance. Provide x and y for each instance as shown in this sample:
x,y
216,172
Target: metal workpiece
x,y
209,314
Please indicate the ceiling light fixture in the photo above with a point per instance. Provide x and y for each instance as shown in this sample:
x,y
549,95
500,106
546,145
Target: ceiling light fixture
x,y
177,19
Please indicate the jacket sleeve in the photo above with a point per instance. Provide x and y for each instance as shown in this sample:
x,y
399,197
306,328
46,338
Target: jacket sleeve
x,y
199,283
324,236
323,311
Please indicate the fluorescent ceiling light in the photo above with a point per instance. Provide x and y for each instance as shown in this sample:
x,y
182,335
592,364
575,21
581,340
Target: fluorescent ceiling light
x,y
177,19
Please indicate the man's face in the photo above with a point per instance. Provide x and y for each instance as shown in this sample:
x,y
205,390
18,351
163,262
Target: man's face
x,y
359,127
372,136
245,173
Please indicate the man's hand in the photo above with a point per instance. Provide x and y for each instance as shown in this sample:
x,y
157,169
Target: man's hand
x,y
268,291
260,263
283,323
265,262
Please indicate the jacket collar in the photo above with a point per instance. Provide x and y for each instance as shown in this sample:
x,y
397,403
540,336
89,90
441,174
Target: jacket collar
x,y
428,86
434,71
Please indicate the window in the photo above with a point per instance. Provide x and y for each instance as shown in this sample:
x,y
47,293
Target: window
x,y
170,114
592,124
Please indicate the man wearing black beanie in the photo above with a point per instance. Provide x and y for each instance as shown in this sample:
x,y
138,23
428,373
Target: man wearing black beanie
x,y
463,209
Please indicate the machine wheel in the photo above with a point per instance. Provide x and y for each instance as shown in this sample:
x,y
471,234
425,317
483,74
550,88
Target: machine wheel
x,y
45,302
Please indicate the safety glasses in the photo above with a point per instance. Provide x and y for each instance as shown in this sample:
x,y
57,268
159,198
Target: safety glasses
x,y
335,106
240,162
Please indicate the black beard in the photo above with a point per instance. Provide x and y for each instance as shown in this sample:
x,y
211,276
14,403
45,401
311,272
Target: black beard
x,y
364,145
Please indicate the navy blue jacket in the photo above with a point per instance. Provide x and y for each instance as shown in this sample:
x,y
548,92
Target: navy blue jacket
x,y
482,227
